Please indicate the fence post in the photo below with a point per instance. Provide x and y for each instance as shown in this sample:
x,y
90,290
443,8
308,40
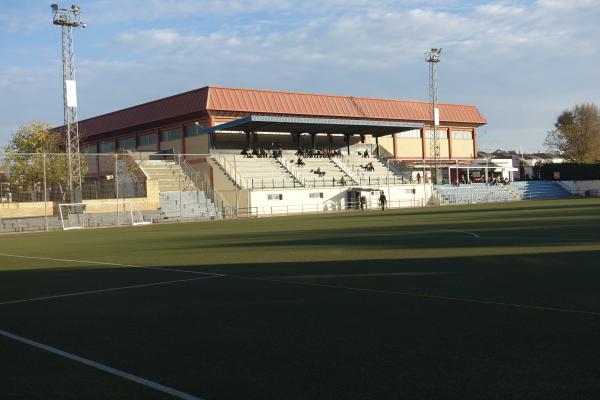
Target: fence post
x,y
117,187
45,195
179,182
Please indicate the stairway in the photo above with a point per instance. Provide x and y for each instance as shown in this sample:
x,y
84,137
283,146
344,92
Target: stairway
x,y
169,175
179,197
535,190
187,206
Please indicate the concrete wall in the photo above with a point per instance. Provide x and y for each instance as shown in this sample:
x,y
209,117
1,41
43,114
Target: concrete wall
x,y
408,147
196,144
462,148
25,209
580,187
39,209
171,144
299,200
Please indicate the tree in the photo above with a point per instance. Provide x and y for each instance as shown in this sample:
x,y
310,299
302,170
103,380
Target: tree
x,y
31,150
576,134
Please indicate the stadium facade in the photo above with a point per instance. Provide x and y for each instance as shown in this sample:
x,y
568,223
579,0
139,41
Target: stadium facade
x,y
178,123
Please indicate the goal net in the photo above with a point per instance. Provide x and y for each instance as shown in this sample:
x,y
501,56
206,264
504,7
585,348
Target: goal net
x,y
99,214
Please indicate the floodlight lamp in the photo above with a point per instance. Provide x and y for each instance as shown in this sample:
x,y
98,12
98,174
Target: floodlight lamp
x,y
75,8
83,25
196,123
54,7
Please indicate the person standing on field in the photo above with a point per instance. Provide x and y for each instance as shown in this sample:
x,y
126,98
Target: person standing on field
x,y
382,201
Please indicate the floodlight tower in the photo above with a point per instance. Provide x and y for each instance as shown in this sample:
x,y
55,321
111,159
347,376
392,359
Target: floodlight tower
x,y
433,57
68,19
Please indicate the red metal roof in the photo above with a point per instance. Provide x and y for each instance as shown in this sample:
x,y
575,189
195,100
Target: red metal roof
x,y
265,101
144,115
212,100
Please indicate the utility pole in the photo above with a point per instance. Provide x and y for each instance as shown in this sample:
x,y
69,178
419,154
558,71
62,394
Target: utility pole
x,y
68,19
433,57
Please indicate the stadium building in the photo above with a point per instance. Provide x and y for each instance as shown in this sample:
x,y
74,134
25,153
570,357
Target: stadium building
x,y
239,120
353,148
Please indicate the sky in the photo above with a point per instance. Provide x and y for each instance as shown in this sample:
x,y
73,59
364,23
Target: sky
x,y
520,62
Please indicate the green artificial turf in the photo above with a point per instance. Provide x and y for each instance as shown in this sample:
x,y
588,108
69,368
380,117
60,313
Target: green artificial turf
x,y
485,301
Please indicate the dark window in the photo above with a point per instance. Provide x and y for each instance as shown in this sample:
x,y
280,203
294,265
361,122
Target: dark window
x,y
144,140
126,144
107,147
171,134
194,130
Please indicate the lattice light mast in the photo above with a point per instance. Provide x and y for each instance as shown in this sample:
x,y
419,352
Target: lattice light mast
x,y
433,57
68,19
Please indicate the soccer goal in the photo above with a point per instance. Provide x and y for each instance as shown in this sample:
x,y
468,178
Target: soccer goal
x,y
99,214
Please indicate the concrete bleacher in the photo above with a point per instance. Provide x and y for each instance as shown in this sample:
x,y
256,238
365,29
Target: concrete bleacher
x,y
532,190
331,172
187,206
257,173
169,175
381,174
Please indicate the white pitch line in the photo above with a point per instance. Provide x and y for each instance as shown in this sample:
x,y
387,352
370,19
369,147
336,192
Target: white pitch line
x,y
467,233
122,374
109,264
58,296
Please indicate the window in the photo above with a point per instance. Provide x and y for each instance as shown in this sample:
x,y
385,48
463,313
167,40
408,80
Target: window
x,y
275,197
194,130
126,143
441,133
171,134
107,147
317,195
145,140
467,135
415,133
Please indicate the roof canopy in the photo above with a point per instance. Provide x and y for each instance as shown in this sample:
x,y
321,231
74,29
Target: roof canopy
x,y
268,123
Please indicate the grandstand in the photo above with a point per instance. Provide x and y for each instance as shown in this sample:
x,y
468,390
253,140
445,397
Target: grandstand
x,y
180,158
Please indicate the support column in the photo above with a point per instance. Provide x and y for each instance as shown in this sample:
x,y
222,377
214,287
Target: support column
x,y
394,144
312,139
449,144
348,142
157,133
474,144
423,146
182,139
377,145
247,139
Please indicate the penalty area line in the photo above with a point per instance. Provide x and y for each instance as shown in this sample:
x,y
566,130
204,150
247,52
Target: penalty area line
x,y
109,264
58,296
102,367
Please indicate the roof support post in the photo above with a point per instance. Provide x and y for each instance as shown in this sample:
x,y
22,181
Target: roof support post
x,y
377,145
247,139
312,139
347,142
474,144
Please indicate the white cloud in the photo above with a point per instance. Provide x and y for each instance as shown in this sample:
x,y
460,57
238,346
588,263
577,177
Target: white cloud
x,y
520,62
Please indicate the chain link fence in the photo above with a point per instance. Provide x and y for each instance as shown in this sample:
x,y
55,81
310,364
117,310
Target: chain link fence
x,y
128,188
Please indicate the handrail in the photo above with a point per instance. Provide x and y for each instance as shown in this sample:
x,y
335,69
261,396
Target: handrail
x,y
290,170
345,170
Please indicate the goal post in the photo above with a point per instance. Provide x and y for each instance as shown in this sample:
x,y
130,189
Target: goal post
x,y
99,214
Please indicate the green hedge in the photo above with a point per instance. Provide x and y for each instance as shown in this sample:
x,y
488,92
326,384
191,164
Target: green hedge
x,y
568,171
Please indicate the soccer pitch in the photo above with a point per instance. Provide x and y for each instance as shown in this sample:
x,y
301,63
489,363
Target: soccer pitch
x,y
480,302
